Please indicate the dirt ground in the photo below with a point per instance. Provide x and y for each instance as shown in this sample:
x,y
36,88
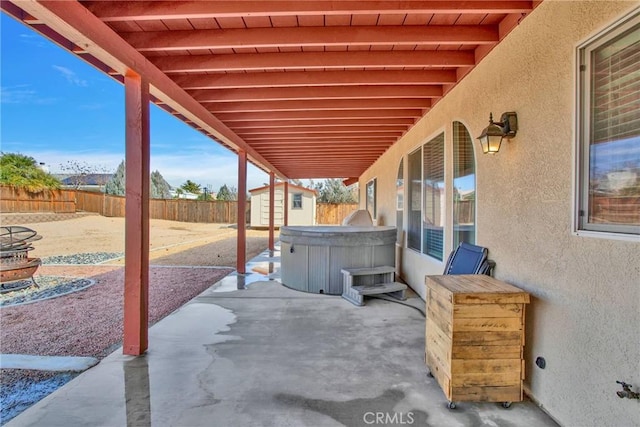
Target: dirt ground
x,y
171,242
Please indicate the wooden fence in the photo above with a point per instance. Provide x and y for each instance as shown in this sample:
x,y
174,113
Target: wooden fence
x,y
17,200
212,211
333,213
215,211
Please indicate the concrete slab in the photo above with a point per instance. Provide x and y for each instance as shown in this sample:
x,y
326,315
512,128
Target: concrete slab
x,y
46,363
271,356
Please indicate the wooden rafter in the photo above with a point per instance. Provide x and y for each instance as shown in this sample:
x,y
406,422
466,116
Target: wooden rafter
x,y
146,41
156,10
313,61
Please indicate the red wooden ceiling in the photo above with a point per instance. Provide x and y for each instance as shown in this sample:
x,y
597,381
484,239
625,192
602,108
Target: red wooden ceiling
x,y
313,89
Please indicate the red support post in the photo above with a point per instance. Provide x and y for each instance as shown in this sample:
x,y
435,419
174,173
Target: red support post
x,y
136,267
272,203
286,202
242,213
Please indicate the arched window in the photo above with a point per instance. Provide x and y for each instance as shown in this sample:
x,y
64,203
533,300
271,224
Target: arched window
x,y
464,186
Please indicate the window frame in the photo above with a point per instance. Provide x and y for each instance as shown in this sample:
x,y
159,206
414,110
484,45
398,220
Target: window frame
x,y
411,201
293,201
454,142
400,201
373,184
435,211
581,224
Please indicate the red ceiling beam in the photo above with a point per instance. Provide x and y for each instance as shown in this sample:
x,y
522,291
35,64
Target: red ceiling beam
x,y
313,60
353,154
320,122
286,144
346,155
320,135
304,142
316,92
282,37
311,170
323,164
317,169
314,78
155,10
320,129
323,104
318,115
324,151
312,162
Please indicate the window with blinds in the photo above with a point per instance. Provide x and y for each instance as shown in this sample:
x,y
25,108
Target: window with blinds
x,y
400,200
464,186
433,198
414,201
610,130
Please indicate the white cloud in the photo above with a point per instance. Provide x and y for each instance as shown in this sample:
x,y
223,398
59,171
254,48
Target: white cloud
x,y
71,76
98,159
202,168
22,94
205,169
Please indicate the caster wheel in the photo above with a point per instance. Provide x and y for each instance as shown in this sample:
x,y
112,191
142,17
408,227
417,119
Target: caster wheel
x,y
506,405
451,405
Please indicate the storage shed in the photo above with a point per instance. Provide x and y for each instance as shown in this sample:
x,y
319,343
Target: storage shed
x,y
301,209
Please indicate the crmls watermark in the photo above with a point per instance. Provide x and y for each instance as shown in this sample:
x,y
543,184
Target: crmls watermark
x,y
382,418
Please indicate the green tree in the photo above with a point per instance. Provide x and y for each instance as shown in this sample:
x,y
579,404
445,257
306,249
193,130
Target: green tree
x,y
227,193
160,188
18,170
206,193
334,191
117,183
191,187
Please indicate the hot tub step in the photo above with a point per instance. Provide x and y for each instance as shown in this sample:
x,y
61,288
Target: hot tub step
x,y
369,271
356,294
358,282
380,288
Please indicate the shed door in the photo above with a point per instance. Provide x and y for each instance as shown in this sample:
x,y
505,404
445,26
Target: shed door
x,y
278,211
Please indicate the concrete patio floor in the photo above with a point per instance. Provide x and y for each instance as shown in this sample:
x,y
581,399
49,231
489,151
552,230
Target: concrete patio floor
x,y
250,352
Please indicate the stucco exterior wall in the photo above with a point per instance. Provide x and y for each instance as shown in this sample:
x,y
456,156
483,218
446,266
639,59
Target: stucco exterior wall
x,y
584,318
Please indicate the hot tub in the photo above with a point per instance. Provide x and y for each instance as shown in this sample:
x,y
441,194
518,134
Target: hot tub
x,y
312,257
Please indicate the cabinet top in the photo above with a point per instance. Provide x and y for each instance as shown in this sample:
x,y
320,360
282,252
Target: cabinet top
x,y
476,289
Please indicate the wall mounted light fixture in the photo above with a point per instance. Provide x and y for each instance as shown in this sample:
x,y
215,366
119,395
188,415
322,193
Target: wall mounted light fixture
x,y
491,137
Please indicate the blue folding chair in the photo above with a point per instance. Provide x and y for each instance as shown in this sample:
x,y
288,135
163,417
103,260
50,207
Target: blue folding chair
x,y
469,259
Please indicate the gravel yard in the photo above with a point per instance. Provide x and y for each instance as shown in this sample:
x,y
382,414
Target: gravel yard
x,y
89,322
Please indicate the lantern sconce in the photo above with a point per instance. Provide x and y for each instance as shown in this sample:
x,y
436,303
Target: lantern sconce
x,y
491,137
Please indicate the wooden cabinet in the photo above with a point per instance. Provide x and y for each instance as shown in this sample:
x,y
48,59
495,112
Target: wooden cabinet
x,y
475,337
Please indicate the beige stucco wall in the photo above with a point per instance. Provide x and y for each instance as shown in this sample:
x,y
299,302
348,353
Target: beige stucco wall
x,y
584,318
306,215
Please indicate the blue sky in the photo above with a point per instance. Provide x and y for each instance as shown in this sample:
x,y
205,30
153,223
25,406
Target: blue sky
x,y
56,108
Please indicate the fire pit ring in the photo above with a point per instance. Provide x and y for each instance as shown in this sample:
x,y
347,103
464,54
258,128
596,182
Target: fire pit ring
x,y
15,264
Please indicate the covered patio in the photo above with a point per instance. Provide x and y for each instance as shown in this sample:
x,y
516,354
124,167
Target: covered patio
x,y
300,89
251,352
391,95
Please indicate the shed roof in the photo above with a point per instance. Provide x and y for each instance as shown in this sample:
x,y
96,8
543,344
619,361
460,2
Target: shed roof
x,y
291,187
